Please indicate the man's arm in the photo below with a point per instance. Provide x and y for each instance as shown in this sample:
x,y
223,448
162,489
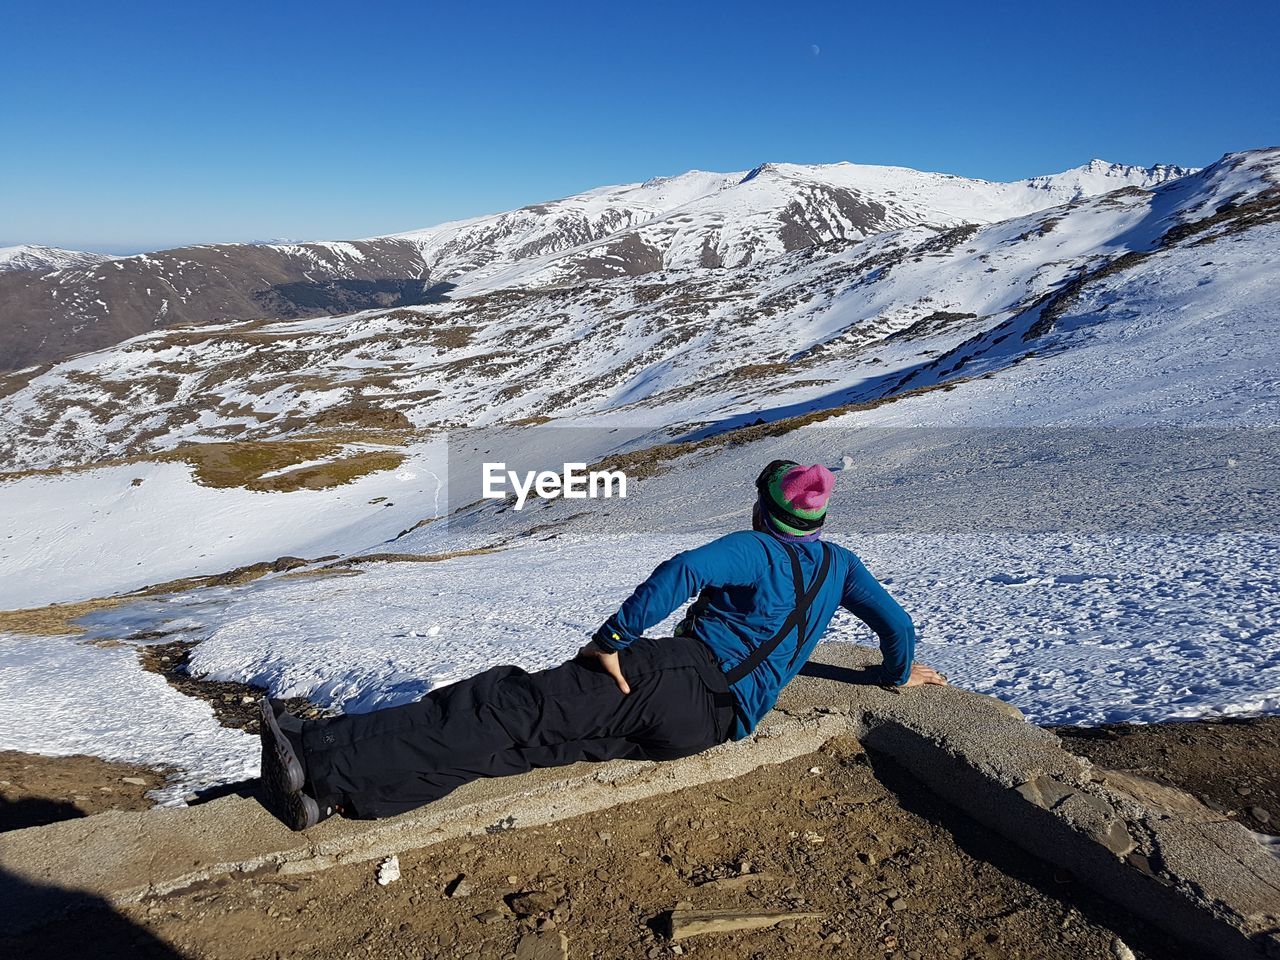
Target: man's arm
x,y
870,602
739,558
735,559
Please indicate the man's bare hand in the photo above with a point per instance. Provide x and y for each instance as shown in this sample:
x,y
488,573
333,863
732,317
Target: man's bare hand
x,y
608,660
921,675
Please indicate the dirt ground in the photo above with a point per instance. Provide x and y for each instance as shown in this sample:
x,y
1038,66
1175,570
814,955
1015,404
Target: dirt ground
x,y
892,872
1232,765
38,790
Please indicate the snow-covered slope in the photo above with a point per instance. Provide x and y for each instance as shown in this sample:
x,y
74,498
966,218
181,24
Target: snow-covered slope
x,y
96,532
1083,621
31,256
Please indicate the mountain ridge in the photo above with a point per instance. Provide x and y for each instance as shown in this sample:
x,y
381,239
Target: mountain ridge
x,y
41,258
636,229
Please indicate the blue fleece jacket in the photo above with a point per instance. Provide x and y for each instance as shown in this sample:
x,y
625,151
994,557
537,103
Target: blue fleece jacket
x,y
745,591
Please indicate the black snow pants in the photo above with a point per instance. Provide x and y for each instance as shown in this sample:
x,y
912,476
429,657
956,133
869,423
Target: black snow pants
x,y
507,721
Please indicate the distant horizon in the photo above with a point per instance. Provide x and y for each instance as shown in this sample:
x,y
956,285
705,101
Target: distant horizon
x,y
127,250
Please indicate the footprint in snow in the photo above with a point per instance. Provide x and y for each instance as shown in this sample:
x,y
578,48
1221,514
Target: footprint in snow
x,y
1009,580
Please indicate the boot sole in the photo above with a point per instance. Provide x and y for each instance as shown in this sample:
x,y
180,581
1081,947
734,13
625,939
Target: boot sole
x,y
282,775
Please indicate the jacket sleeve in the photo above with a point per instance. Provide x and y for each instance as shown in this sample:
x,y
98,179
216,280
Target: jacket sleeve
x,y
867,600
733,560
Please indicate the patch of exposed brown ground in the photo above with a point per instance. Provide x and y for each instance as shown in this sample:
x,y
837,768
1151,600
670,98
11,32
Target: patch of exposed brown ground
x,y
234,704
247,463
411,557
59,619
243,463
56,619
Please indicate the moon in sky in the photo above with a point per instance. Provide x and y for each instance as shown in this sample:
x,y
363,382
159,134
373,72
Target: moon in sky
x,y
815,49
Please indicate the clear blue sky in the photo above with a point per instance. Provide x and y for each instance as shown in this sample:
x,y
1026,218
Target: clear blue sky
x,y
137,125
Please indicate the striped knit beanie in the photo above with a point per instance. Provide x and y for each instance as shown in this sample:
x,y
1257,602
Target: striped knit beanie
x,y
794,497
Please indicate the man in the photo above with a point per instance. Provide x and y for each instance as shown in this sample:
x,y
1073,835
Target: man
x,y
764,598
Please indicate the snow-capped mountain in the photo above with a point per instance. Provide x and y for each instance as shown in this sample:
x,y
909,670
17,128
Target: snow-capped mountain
x,y
733,220
37,258
818,328
697,219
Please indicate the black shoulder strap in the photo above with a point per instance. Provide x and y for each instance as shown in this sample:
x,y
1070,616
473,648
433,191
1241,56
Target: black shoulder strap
x,y
798,618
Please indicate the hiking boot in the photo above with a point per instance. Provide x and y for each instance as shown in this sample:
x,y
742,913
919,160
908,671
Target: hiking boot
x,y
282,776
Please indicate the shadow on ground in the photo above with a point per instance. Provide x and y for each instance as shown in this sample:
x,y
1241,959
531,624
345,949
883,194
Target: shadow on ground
x,y
62,922
984,844
35,812
70,923
863,676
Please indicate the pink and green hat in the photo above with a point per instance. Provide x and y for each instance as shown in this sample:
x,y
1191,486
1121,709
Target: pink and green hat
x,y
795,497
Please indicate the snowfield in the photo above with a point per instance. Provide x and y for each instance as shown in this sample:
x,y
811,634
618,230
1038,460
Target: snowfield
x,y
120,528
62,698
1067,628
1055,428
1070,629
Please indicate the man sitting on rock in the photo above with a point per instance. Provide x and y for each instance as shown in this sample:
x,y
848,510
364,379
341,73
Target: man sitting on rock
x,y
764,598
